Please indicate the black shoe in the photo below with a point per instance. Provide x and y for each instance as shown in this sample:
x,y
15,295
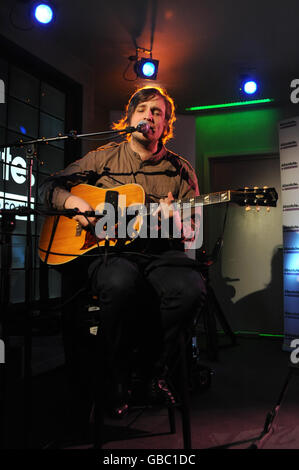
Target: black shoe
x,y
160,393
120,407
120,411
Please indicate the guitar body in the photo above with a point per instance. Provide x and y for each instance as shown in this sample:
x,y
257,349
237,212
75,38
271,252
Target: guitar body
x,y
62,239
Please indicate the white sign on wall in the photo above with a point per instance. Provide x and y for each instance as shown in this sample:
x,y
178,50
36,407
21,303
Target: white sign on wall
x,y
289,160
14,171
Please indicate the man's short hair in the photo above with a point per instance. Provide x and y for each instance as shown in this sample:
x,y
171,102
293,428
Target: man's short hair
x,y
145,94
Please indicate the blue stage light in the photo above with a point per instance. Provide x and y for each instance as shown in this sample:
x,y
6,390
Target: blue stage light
x,y
147,68
250,87
43,13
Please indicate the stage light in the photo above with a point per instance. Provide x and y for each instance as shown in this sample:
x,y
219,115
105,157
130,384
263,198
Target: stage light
x,y
43,13
250,87
230,105
147,68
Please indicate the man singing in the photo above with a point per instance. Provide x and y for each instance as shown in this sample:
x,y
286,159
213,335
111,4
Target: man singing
x,y
148,290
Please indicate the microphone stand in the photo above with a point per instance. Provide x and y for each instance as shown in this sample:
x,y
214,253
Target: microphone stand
x,y
7,227
31,155
71,135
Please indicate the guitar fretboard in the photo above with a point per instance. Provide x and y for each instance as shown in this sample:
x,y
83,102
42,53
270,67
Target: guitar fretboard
x,y
211,198
247,197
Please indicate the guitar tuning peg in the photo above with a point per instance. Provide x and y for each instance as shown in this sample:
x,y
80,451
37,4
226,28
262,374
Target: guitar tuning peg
x,y
257,208
268,209
247,208
265,187
255,187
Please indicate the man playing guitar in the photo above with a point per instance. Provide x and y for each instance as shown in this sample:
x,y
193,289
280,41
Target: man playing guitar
x,y
147,292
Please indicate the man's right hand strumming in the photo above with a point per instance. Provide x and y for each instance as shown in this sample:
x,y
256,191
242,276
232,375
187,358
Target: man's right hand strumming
x,y
75,202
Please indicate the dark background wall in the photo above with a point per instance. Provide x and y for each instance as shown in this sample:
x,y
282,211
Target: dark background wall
x,y
223,146
234,150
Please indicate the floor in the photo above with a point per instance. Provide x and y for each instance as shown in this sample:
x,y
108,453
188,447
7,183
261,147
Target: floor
x,y
246,383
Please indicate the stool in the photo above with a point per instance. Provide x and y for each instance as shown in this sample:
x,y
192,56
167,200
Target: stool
x,y
183,405
89,322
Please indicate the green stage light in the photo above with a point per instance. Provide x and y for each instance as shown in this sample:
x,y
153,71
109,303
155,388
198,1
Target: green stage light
x,y
230,105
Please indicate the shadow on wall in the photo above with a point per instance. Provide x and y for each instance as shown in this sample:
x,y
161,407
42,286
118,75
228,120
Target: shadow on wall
x,y
260,311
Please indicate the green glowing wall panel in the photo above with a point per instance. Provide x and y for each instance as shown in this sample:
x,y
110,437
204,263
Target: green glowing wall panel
x,y
235,133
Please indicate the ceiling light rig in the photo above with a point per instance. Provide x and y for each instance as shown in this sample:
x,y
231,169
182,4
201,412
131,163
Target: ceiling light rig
x,y
24,15
146,68
43,12
249,86
250,93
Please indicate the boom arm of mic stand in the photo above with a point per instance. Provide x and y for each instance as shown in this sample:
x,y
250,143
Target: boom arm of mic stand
x,y
71,135
23,212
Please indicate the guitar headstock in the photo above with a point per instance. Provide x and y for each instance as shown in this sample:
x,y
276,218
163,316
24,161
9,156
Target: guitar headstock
x,y
256,196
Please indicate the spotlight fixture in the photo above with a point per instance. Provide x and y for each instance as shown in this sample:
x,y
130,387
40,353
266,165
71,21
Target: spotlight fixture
x,y
248,84
250,87
43,12
147,68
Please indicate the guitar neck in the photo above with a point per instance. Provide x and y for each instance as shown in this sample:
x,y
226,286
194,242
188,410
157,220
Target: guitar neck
x,y
207,199
211,198
251,197
247,197
203,199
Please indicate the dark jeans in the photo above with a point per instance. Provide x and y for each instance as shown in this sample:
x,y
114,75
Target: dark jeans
x,y
144,303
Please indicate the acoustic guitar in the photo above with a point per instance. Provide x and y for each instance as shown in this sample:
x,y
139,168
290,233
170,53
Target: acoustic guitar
x,y
63,239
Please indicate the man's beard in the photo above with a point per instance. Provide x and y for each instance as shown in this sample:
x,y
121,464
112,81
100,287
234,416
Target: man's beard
x,y
142,139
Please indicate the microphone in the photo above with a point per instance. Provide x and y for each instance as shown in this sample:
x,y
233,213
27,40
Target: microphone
x,y
143,127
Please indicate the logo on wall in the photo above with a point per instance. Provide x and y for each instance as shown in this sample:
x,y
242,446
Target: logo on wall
x,y
14,168
14,173
293,185
289,165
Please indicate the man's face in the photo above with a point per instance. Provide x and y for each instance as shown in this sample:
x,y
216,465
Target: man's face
x,y
152,111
